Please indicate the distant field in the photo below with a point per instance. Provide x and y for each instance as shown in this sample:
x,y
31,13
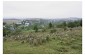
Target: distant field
x,y
64,42
11,21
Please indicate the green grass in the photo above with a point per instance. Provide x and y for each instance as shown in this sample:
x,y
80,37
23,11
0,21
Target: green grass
x,y
65,42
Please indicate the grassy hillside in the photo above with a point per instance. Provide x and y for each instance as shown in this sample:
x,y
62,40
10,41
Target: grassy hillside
x,y
61,41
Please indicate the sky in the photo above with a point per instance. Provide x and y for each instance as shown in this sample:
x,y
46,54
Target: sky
x,y
42,9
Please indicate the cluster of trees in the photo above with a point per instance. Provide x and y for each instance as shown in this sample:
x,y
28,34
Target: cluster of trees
x,y
64,24
10,29
70,24
75,23
6,29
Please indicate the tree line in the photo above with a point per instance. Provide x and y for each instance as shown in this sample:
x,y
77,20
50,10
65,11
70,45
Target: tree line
x,y
71,24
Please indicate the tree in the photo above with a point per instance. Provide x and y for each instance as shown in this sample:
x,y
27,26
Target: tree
x,y
36,28
50,25
64,26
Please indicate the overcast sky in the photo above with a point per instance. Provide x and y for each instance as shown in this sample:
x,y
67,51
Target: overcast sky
x,y
42,9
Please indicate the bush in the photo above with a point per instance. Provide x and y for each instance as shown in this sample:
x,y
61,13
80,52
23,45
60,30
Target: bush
x,y
53,38
47,38
16,32
35,42
22,42
43,30
52,30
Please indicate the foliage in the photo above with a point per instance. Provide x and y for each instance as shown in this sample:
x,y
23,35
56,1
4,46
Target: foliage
x,y
50,25
52,40
75,24
35,28
70,24
52,30
6,30
62,44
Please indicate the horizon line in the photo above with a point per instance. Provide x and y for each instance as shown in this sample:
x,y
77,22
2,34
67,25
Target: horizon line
x,y
36,17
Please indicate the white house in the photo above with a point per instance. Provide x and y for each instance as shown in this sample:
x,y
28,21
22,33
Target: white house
x,y
26,24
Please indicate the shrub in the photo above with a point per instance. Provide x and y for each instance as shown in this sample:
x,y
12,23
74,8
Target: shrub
x,y
43,30
52,30
39,41
35,42
47,38
30,40
53,38
22,42
43,40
